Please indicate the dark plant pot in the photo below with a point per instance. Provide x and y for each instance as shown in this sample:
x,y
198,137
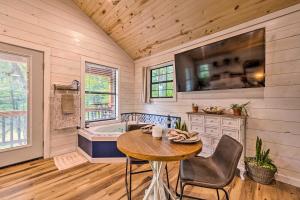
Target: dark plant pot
x,y
260,174
237,111
195,109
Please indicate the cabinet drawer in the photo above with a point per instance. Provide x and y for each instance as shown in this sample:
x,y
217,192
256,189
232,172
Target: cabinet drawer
x,y
232,133
209,120
213,131
197,128
230,122
197,119
207,147
206,140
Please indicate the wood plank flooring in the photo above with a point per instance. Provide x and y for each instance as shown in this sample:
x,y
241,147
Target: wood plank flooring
x,y
40,180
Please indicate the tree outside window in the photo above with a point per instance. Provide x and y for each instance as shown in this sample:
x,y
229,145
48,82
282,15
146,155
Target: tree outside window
x,y
100,93
162,82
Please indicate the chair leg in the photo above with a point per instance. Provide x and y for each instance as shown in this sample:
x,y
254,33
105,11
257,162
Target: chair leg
x,y
167,174
226,193
130,180
181,190
168,182
177,194
126,177
218,194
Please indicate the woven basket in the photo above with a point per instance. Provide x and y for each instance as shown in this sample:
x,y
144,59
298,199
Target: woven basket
x,y
260,174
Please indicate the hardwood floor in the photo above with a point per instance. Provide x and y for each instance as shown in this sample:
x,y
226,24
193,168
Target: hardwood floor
x,y
40,180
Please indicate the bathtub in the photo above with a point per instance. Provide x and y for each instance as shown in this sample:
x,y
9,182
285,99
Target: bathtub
x,y
99,143
103,133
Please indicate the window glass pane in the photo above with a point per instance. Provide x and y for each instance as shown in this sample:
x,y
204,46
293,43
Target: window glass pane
x,y
169,93
170,69
162,93
99,107
98,83
162,77
154,72
162,86
170,85
170,77
155,79
14,92
154,86
154,93
162,70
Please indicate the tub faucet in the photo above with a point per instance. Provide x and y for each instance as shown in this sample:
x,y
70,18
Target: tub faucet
x,y
87,125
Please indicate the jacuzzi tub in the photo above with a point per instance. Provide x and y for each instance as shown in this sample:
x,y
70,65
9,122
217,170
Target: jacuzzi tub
x,y
98,144
103,133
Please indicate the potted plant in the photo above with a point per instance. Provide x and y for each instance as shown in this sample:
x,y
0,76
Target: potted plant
x,y
238,109
260,168
195,108
181,126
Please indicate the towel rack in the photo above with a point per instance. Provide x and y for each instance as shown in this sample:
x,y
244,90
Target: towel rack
x,y
74,86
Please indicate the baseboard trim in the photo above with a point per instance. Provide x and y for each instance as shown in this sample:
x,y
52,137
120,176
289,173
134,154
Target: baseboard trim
x,y
101,160
288,180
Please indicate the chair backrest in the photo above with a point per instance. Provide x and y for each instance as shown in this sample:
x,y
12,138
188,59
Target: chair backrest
x,y
227,156
132,127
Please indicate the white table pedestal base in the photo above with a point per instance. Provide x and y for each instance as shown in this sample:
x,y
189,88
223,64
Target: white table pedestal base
x,y
157,189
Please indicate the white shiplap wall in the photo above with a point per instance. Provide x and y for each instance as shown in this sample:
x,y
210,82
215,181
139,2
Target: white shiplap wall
x,y
71,35
274,111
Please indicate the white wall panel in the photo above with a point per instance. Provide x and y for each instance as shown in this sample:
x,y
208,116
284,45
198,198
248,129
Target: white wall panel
x,y
70,34
274,111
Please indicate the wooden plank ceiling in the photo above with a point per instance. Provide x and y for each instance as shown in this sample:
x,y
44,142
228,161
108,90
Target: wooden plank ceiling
x,y
145,27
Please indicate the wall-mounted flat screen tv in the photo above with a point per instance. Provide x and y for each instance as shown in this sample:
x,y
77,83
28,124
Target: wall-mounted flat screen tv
x,y
236,62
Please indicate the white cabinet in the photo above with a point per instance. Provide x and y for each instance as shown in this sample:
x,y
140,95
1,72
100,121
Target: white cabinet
x,y
212,127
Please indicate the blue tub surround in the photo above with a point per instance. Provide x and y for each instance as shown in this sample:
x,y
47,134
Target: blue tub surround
x,y
99,149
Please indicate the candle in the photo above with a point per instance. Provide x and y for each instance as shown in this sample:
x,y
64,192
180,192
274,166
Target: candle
x,y
157,132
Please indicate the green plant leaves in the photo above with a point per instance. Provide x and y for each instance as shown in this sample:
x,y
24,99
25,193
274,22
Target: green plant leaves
x,y
241,107
180,126
261,156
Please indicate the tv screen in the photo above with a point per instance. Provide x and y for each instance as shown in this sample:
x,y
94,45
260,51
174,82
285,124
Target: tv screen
x,y
236,62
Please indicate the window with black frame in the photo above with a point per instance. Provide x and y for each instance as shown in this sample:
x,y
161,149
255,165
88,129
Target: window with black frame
x,y
161,85
100,92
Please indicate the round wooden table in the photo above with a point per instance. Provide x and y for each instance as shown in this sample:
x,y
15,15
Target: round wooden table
x,y
157,151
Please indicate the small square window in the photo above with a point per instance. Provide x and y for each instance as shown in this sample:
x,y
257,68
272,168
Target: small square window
x,y
162,82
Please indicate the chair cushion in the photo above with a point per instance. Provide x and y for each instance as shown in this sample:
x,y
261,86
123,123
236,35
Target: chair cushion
x,y
202,172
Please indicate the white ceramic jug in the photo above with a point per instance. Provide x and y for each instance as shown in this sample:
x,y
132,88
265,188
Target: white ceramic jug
x,y
157,132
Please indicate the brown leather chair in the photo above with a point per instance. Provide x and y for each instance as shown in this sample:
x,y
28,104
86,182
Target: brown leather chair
x,y
133,161
214,172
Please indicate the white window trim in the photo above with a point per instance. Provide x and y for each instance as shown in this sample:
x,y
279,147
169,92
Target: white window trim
x,y
153,100
84,60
